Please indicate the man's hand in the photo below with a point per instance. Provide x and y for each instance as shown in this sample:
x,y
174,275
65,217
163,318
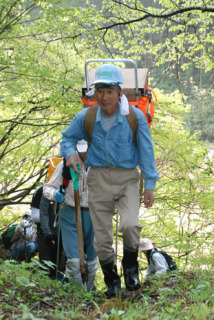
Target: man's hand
x,y
49,239
71,162
59,195
149,198
24,223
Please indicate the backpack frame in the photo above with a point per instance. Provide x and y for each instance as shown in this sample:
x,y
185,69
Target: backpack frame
x,y
135,88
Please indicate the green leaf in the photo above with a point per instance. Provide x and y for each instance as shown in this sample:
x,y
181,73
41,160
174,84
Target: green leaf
x,y
169,309
24,281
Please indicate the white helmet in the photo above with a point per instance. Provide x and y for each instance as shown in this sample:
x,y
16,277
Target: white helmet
x,y
27,213
108,74
145,244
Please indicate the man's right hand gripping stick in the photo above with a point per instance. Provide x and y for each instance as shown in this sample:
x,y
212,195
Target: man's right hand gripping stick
x,y
75,177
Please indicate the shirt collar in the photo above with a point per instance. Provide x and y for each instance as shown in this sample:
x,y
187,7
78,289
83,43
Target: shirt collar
x,y
119,115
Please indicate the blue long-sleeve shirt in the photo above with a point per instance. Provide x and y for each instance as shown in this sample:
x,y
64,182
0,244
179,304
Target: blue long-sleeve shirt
x,y
114,148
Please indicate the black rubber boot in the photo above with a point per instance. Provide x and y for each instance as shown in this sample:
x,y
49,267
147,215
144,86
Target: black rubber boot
x,y
112,279
130,269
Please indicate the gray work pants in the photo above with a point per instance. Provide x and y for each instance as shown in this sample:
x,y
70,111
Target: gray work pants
x,y
109,187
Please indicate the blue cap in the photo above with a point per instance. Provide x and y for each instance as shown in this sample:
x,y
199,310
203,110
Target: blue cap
x,y
109,74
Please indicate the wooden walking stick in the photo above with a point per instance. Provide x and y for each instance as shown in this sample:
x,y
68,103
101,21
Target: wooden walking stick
x,y
75,179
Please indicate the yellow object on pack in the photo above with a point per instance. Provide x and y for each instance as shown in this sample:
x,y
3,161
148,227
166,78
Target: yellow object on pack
x,y
53,162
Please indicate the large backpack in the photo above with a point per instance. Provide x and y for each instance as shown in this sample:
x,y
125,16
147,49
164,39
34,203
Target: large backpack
x,y
171,263
7,236
135,88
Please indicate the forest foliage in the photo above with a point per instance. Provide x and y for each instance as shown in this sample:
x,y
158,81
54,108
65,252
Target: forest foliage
x,y
27,293
45,45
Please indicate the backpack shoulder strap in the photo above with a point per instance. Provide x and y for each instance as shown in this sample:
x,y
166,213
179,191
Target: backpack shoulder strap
x,y
89,121
133,123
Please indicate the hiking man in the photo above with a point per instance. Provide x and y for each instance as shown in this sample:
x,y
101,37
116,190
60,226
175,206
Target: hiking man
x,y
113,179
43,214
51,191
157,264
24,245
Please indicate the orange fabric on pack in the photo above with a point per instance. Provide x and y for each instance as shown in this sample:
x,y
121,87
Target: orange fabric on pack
x,y
52,166
147,108
88,102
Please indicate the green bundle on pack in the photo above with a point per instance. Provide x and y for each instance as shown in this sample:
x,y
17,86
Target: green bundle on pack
x,y
7,236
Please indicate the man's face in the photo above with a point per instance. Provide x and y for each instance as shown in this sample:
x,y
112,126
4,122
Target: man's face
x,y
26,217
107,99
